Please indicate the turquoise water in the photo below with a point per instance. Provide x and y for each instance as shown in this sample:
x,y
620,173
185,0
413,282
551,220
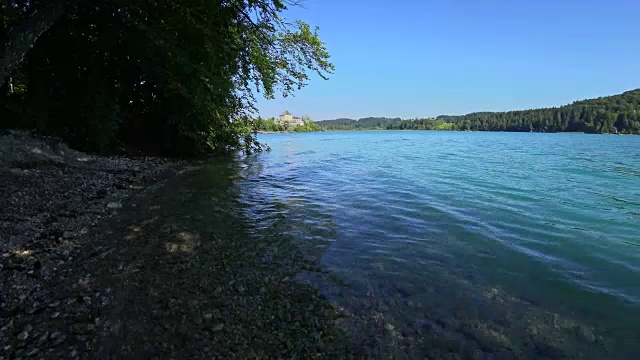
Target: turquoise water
x,y
511,244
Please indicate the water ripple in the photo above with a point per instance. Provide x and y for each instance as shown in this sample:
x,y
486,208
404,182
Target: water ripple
x,y
549,218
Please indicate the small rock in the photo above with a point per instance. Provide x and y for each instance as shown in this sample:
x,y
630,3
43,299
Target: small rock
x,y
35,307
55,315
218,327
586,334
114,205
33,352
23,336
54,304
43,339
208,316
58,338
7,348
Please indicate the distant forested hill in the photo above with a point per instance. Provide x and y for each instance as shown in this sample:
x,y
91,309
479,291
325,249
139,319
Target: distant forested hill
x,y
364,123
610,114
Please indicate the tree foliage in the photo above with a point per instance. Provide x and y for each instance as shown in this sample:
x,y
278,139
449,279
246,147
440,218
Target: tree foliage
x,y
166,76
271,125
611,114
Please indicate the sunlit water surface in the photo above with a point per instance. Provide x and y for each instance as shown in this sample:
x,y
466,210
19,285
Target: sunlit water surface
x,y
515,244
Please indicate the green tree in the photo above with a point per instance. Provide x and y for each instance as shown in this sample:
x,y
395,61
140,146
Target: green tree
x,y
601,115
160,75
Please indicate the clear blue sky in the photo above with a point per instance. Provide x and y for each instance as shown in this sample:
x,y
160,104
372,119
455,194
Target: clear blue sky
x,y
421,58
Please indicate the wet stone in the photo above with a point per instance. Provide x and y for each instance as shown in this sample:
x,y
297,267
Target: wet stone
x,y
586,334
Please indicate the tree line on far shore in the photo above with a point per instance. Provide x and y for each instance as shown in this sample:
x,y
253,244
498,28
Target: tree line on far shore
x,y
611,114
271,124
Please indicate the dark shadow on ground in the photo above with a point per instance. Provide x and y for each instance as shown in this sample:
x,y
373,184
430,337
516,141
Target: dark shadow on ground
x,y
188,280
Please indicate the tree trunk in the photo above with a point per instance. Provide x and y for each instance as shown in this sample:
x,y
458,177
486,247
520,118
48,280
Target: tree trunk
x,y
22,37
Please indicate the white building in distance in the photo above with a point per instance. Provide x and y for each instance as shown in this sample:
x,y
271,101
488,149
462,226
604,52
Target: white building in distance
x,y
287,119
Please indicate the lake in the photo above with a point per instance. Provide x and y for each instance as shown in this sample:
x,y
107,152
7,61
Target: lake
x,y
500,244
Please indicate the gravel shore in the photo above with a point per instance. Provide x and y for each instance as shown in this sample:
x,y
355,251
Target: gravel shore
x,y
116,257
51,198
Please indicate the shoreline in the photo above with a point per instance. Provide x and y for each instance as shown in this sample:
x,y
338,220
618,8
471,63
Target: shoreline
x,y
111,257
481,131
134,258
52,200
284,132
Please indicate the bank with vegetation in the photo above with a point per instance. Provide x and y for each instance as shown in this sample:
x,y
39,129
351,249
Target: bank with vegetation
x,y
271,125
150,76
610,114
